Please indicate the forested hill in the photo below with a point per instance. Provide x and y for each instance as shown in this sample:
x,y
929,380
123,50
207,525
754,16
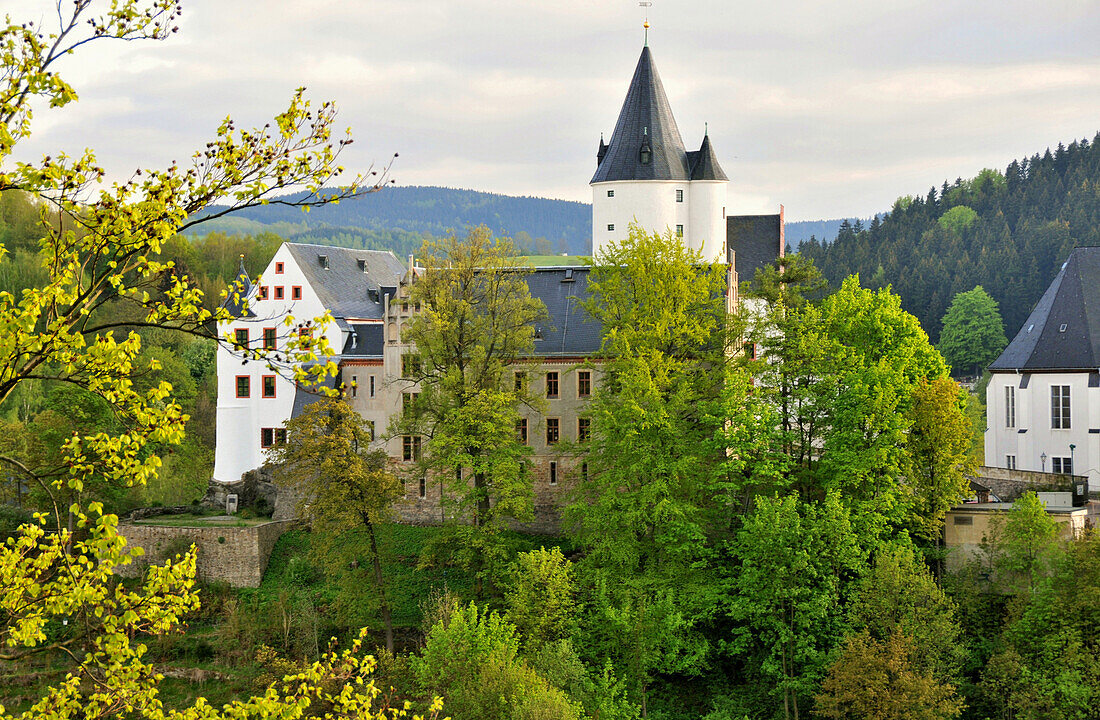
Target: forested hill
x,y
1007,232
397,218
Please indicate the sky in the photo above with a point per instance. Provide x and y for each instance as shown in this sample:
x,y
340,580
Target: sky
x,y
832,109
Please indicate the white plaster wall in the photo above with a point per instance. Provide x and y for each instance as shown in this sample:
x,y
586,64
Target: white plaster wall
x,y
651,202
708,219
239,420
1033,415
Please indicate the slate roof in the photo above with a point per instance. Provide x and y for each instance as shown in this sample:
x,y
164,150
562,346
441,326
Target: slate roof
x,y
756,240
303,398
1072,301
235,302
646,117
344,287
364,340
704,163
570,331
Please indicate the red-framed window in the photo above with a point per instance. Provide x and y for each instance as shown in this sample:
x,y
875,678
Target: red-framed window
x,y
268,386
295,292
270,338
278,268
240,338
305,336
244,386
263,292
278,292
270,437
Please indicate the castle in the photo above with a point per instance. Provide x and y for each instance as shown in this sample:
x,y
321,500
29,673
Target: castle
x,y
644,175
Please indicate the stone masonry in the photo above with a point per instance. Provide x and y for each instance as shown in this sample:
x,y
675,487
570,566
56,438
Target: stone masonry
x,y
237,556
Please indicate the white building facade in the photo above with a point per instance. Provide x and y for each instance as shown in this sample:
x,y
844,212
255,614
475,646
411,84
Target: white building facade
x,y
1043,401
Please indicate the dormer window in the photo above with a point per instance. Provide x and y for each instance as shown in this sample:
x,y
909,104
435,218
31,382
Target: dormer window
x,y
645,154
323,260
362,265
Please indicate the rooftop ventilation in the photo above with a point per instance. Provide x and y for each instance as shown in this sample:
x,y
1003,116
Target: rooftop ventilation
x,y
323,260
362,264
1063,327
1030,327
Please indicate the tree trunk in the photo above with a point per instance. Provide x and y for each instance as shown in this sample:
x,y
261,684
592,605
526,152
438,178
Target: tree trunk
x,y
387,618
481,515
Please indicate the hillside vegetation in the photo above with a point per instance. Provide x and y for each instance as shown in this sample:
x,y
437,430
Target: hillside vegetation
x,y
1008,232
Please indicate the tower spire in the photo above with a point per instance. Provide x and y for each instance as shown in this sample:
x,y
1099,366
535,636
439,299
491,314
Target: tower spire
x,y
646,4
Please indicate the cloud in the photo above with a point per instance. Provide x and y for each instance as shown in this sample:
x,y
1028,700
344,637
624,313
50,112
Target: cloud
x,y
831,109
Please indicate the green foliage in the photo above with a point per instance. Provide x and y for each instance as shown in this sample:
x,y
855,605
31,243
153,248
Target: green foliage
x,y
540,596
477,319
472,657
796,562
1028,543
958,219
1029,219
345,488
973,334
879,680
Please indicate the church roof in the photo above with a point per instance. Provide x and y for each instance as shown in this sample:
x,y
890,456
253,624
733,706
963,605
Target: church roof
x,y
1063,331
237,300
646,119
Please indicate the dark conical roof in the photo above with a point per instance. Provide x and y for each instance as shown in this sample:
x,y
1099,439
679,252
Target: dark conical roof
x,y
1063,331
704,163
646,119
237,300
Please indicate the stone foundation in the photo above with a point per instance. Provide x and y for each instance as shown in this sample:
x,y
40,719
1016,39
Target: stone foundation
x,y
237,556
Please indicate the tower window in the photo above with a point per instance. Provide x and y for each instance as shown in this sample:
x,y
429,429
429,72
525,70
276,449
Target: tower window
x,y
553,473
611,227
645,154
611,193
679,231
679,196
424,487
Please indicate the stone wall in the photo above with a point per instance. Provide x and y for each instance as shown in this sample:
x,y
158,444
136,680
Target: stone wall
x,y
237,556
1008,485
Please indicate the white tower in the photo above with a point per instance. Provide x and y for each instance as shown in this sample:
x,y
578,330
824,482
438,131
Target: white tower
x,y
644,174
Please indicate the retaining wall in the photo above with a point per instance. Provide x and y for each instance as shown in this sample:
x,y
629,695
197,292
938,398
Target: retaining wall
x,y
237,556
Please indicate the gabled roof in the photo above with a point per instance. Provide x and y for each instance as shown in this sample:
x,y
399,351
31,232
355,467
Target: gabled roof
x,y
1063,331
342,283
645,119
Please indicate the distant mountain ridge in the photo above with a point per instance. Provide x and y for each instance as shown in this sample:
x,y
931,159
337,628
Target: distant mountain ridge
x,y
399,218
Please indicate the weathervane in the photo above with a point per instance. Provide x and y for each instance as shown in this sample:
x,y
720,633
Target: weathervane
x,y
647,5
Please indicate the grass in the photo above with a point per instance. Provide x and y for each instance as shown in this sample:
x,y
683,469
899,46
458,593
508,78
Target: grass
x,y
196,520
407,586
550,260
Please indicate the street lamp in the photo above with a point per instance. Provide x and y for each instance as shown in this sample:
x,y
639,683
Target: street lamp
x,y
1072,447
1043,460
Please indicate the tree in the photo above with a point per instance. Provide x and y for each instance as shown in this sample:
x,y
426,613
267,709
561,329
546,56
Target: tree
x,y
101,253
647,506
472,657
477,320
878,680
794,563
344,487
1027,543
973,333
940,455
541,596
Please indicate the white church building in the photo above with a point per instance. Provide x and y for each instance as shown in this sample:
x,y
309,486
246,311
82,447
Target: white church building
x,y
643,174
1043,401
